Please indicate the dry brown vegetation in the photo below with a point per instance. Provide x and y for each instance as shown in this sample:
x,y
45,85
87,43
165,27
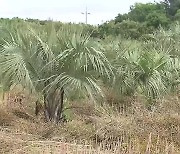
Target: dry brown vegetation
x,y
126,128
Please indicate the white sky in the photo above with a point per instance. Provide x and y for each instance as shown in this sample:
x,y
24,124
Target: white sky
x,y
66,10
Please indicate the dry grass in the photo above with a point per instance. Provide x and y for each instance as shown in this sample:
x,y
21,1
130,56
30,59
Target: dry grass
x,y
14,143
125,129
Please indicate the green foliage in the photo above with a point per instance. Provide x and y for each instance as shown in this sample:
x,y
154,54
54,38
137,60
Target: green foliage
x,y
52,62
149,67
144,72
141,20
157,19
92,30
140,11
126,29
108,28
177,15
49,56
44,58
121,17
171,6
130,29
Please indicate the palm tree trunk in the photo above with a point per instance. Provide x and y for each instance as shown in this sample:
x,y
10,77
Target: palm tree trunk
x,y
53,105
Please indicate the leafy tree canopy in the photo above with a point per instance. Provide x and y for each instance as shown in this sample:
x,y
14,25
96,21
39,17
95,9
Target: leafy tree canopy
x,y
140,11
171,6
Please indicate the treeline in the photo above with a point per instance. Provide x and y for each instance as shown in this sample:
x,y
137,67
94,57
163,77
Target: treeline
x,y
142,19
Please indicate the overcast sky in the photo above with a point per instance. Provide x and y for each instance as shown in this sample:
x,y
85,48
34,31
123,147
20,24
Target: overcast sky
x,y
66,10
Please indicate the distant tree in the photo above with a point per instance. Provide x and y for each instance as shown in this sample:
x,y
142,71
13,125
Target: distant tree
x,y
17,19
140,11
177,15
156,19
108,28
120,18
128,29
133,24
171,6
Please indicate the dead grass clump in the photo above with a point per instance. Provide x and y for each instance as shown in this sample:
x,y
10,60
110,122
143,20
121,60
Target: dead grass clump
x,y
115,100
161,121
6,144
114,127
9,140
82,109
6,118
37,128
74,130
22,122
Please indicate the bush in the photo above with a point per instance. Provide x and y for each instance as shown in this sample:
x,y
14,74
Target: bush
x,y
157,19
131,29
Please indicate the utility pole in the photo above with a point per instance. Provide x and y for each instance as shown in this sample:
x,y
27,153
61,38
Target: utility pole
x,y
86,15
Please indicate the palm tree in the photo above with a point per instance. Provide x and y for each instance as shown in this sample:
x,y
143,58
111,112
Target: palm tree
x,y
55,62
145,69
